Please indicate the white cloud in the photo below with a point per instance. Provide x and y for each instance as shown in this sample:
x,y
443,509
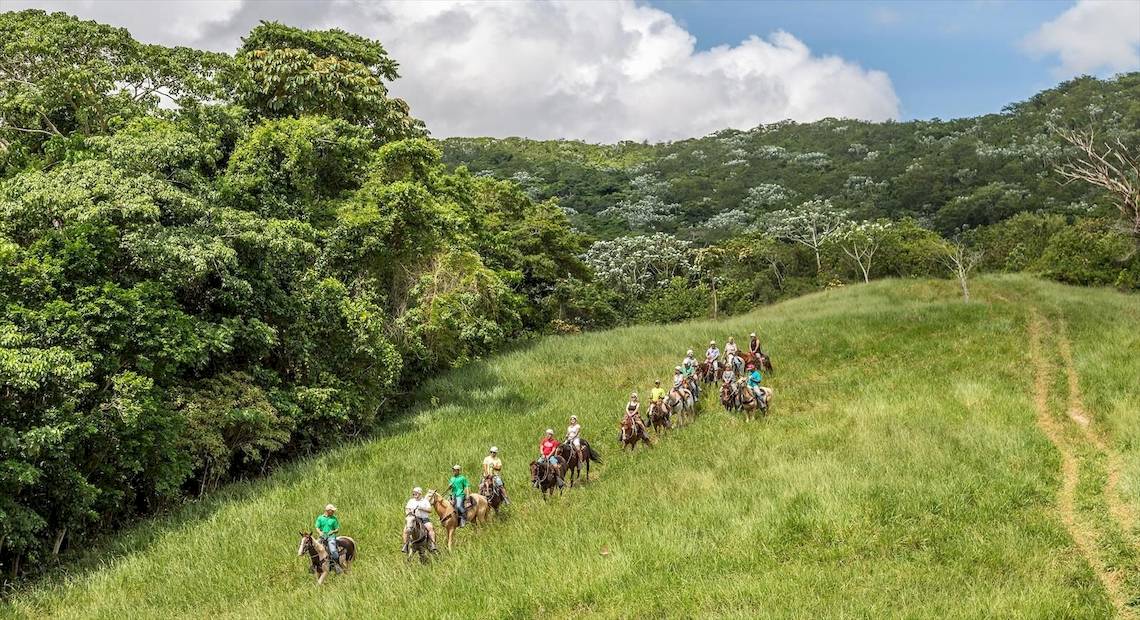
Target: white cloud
x,y
599,71
1090,37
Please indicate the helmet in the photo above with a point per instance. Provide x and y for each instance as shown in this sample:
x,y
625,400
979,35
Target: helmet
x,y
549,431
633,395
656,382
494,449
690,352
454,468
417,491
573,418
752,367
330,507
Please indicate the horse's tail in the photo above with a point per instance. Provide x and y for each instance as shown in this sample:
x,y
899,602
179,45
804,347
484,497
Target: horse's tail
x,y
594,456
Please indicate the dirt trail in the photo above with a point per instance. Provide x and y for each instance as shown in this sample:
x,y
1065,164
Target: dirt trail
x,y
1083,535
1118,508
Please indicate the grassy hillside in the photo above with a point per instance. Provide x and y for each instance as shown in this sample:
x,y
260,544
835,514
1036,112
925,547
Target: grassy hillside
x,y
924,458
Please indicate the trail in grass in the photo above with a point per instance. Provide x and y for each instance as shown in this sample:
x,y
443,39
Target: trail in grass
x,y
1081,528
1118,508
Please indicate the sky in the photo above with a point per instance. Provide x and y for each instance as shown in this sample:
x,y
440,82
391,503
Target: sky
x,y
604,71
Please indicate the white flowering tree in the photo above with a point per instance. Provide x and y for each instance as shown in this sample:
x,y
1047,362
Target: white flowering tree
x,y
811,224
767,195
637,264
861,240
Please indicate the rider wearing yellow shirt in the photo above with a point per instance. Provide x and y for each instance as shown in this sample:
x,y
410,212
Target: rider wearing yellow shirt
x,y
493,469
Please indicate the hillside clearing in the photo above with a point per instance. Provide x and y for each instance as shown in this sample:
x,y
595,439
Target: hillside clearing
x,y
924,458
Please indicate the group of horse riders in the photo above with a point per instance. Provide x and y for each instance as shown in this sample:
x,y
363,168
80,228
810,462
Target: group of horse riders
x,y
418,508
735,373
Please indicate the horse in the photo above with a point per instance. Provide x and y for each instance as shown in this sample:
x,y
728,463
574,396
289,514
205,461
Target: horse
x,y
693,387
544,477
659,416
631,434
319,554
418,541
493,493
765,362
477,511
679,404
749,402
707,370
568,455
729,396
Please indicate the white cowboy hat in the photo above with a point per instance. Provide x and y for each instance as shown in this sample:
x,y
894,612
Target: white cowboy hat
x,y
712,342
330,507
494,449
573,417
417,490
752,334
549,431
690,351
633,394
455,468
657,382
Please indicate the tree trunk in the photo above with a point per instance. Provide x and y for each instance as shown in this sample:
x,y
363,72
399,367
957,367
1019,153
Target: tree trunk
x,y
818,264
965,287
58,542
714,297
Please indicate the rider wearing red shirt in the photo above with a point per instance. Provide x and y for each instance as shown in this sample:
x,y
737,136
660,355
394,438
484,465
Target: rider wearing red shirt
x,y
548,446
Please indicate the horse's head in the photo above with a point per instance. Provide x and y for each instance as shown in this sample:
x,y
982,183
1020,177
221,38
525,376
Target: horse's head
x,y
431,496
306,543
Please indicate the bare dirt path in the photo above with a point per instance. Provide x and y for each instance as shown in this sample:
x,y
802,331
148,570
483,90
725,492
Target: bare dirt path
x,y
1120,510
1084,534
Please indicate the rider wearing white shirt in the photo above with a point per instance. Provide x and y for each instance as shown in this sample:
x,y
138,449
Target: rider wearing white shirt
x,y
574,436
418,508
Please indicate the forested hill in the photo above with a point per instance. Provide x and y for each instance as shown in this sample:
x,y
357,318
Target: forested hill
x,y
968,172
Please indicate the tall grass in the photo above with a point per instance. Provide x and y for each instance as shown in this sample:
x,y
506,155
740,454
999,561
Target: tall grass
x,y
900,474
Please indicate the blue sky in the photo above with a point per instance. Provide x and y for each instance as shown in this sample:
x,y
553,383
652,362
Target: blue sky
x,y
945,59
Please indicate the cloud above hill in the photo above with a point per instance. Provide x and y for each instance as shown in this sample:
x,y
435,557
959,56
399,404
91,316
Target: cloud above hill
x,y
1092,36
589,70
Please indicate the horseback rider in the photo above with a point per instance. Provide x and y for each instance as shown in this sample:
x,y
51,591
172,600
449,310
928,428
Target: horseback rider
x,y
574,437
712,356
633,415
329,526
754,345
493,469
730,347
679,382
547,451
459,487
689,368
418,508
754,380
656,396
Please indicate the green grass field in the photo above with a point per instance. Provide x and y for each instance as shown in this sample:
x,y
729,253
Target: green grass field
x,y
923,458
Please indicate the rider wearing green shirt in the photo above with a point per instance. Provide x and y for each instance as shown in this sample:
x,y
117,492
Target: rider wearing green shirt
x,y
459,487
329,526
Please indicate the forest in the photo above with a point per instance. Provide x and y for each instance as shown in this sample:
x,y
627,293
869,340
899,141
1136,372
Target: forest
x,y
211,264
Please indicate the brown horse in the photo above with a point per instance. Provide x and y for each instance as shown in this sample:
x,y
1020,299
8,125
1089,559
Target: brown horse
x,y
659,416
546,478
477,511
765,362
319,554
493,494
573,466
730,396
631,433
707,371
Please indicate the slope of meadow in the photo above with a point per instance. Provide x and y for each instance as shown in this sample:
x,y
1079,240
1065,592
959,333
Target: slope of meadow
x,y
923,458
